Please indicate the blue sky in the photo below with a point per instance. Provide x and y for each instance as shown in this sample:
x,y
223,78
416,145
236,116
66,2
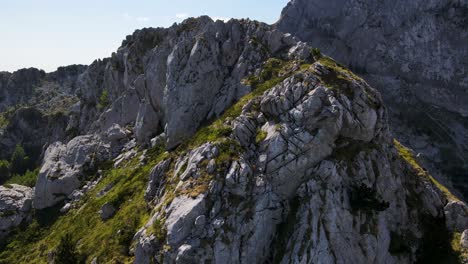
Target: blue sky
x,y
50,33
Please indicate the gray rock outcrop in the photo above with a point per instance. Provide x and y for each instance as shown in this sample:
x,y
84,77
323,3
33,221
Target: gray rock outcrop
x,y
66,166
456,216
324,185
17,87
172,80
15,206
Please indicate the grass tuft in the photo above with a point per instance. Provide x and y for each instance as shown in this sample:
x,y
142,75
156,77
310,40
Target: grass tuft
x,y
109,241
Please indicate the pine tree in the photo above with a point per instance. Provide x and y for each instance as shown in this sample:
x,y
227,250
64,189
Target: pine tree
x,y
19,162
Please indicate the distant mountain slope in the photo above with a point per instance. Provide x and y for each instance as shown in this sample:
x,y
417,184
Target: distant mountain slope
x,y
34,108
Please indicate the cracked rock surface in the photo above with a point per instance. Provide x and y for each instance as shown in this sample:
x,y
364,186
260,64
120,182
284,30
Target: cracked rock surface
x,y
15,206
324,185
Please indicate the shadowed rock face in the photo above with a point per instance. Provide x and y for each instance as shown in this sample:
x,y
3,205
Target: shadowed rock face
x,y
35,106
415,53
34,87
17,87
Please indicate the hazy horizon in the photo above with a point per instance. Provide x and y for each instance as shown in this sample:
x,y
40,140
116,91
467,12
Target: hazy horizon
x,y
52,33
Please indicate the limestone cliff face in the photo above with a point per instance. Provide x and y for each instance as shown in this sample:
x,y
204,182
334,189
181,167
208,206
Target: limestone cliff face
x,y
172,80
414,53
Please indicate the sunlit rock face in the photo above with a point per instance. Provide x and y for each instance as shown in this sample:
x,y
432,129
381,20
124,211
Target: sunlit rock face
x,y
316,180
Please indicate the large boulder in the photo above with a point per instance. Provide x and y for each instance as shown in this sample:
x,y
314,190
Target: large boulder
x,y
181,217
15,205
65,166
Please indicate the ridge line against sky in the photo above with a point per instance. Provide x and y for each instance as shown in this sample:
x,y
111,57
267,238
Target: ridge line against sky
x,y
51,33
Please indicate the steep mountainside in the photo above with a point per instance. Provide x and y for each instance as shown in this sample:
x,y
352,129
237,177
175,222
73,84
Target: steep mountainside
x,y
34,108
415,53
214,142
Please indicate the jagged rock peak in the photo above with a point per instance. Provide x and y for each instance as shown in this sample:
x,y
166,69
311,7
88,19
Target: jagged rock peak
x,y
172,80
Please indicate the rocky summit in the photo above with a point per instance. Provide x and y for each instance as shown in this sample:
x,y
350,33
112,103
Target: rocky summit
x,y
215,142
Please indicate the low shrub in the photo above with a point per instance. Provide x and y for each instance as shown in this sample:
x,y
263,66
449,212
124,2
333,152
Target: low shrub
x,y
29,178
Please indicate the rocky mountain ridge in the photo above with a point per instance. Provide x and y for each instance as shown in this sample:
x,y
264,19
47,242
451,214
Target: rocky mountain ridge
x,y
34,108
228,143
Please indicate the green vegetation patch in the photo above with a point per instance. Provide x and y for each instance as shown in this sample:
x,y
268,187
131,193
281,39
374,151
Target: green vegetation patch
x,y
29,178
407,155
261,135
6,115
316,53
158,229
108,241
338,77
103,100
457,248
19,170
3,121
8,212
